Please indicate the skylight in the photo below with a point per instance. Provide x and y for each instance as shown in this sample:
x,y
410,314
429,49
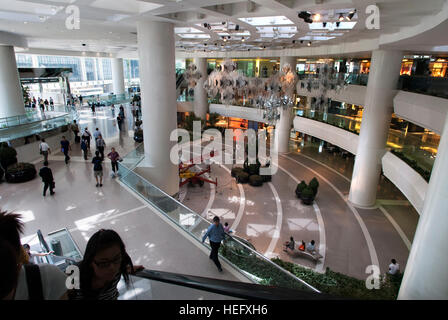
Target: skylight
x,y
277,29
194,36
348,25
316,38
187,30
267,21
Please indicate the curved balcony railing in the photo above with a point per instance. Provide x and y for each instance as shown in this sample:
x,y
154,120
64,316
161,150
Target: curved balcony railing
x,y
249,262
417,149
37,124
109,99
433,86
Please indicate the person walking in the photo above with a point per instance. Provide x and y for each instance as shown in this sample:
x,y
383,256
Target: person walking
x,y
216,234
84,148
114,158
46,104
97,133
86,136
121,113
65,147
119,122
51,104
44,149
47,178
100,145
75,130
41,105
98,169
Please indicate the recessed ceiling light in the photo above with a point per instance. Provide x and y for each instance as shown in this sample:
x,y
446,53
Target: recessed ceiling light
x,y
341,17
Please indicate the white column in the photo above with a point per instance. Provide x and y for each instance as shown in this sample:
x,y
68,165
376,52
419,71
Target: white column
x,y
11,97
378,107
200,106
283,126
117,75
426,274
159,106
83,69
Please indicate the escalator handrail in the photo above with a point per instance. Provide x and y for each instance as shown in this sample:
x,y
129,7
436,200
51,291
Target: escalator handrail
x,y
232,288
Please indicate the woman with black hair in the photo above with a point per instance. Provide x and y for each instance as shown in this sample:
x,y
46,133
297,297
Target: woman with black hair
x,y
105,261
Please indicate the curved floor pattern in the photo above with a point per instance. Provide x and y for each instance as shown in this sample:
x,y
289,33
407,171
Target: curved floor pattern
x,y
365,231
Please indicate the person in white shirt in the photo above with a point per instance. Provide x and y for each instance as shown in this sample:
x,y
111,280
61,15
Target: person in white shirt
x,y
44,149
394,267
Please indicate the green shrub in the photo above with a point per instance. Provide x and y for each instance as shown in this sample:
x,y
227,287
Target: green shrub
x,y
8,155
255,180
242,177
300,187
235,170
307,195
20,172
343,286
314,184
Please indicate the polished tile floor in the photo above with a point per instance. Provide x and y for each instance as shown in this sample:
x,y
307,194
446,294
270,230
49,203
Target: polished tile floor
x,y
83,208
349,238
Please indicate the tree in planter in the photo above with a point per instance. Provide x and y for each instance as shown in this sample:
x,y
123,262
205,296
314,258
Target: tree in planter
x,y
8,155
235,171
314,184
307,196
189,120
26,95
242,177
300,187
255,180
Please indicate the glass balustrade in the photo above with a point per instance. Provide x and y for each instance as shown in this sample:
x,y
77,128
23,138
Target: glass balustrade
x,y
433,86
249,262
109,99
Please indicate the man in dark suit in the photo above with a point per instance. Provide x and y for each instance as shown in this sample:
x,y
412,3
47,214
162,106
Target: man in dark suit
x,y
47,178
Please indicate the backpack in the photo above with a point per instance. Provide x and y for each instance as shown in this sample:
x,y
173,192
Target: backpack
x,y
97,165
34,282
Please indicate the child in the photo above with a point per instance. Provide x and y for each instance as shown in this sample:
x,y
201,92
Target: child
x,y
227,228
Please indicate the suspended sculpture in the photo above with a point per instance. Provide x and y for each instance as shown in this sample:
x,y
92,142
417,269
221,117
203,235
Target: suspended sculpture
x,y
325,80
192,75
227,82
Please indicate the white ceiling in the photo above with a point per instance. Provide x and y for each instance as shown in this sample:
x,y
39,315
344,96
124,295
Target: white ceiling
x,y
109,26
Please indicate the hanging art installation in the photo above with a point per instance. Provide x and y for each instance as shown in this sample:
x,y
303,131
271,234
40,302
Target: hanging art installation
x,y
192,75
269,95
325,80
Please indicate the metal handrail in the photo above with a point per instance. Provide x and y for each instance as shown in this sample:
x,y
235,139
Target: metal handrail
x,y
231,288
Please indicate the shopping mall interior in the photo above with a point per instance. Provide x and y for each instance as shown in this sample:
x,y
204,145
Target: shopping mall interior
x,y
347,103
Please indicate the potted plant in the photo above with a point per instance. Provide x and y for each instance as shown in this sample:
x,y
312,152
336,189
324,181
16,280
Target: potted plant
x,y
302,185
255,180
314,184
235,170
20,172
8,155
307,196
242,177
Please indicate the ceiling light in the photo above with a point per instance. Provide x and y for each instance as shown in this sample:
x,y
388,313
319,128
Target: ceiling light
x,y
225,39
338,23
25,22
205,44
324,24
237,27
301,41
309,44
341,17
242,39
316,17
306,16
293,41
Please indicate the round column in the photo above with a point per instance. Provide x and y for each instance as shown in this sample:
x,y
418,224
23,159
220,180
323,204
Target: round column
x,y
378,107
159,106
117,76
426,274
283,126
11,97
200,106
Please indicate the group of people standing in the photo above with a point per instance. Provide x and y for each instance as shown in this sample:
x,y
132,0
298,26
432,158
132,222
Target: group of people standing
x,y
44,105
